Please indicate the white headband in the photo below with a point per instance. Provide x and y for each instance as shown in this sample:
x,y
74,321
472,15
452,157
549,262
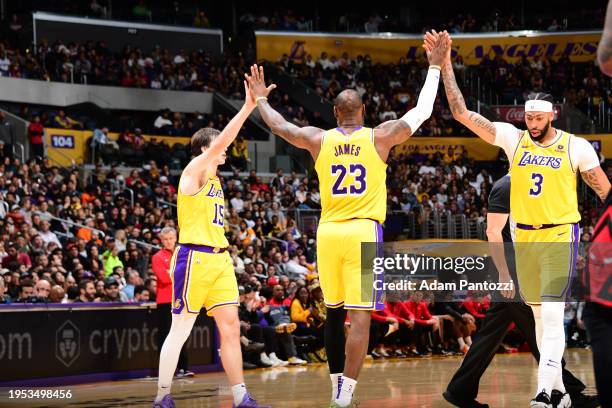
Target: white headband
x,y
538,106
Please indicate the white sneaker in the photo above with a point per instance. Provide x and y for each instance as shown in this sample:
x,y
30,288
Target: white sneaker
x,y
265,359
297,361
277,361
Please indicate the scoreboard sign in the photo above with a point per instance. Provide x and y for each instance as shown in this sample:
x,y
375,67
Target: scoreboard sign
x,y
62,141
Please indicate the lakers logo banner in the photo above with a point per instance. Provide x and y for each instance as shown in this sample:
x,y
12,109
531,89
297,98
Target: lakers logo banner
x,y
578,46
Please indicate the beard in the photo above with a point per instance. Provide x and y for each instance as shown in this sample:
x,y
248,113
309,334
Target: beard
x,y
542,132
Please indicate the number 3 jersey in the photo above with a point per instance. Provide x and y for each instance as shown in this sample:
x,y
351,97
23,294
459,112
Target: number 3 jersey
x,y
543,187
200,216
352,176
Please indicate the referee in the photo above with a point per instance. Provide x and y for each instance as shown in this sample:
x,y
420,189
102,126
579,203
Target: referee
x,y
463,387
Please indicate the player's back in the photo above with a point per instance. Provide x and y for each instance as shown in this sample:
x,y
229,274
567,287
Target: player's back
x,y
200,216
352,176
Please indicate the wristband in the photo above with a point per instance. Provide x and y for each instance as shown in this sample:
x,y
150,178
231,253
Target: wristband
x,y
259,98
435,67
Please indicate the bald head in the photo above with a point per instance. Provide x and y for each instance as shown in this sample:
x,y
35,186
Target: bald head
x,y
348,103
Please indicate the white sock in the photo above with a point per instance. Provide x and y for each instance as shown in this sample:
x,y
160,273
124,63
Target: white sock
x,y
461,343
334,381
553,344
168,359
559,382
162,391
347,387
238,391
468,341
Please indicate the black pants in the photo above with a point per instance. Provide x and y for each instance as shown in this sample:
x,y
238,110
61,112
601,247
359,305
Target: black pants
x,y
164,318
38,150
265,335
464,383
598,321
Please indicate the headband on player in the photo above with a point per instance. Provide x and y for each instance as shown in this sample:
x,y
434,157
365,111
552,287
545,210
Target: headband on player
x,y
538,106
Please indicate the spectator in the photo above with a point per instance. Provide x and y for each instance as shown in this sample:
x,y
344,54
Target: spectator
x,y
111,290
277,314
4,297
239,153
42,289
110,257
87,291
63,121
26,291
47,235
36,135
7,135
132,281
141,294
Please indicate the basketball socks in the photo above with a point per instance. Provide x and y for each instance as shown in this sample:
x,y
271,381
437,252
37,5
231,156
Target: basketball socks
x,y
168,358
347,387
238,391
334,381
552,346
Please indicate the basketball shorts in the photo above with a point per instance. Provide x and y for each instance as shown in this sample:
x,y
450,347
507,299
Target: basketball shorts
x,y
339,260
545,262
202,278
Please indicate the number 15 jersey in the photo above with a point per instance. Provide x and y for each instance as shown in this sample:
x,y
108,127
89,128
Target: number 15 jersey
x,y
352,176
200,216
543,187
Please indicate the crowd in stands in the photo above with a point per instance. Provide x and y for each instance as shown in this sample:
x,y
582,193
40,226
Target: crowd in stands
x,y
359,21
93,63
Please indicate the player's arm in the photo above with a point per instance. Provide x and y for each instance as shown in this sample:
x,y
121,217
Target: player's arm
x,y
198,167
584,157
484,128
598,181
308,137
604,50
394,132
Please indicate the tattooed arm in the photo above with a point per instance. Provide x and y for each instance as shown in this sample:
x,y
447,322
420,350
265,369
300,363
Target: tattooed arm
x,y
598,181
604,51
484,128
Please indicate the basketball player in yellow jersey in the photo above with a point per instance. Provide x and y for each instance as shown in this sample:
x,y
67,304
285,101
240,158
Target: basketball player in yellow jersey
x,y
350,163
544,209
201,270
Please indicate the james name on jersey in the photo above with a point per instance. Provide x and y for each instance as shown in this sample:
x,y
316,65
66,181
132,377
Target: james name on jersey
x,y
346,148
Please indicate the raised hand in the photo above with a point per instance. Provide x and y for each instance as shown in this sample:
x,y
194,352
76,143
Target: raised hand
x,y
437,47
249,98
257,82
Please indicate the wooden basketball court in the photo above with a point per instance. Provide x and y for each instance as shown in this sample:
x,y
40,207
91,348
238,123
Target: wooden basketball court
x,y
509,382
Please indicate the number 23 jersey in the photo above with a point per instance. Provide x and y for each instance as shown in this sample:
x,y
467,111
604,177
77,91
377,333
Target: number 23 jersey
x,y
543,187
352,176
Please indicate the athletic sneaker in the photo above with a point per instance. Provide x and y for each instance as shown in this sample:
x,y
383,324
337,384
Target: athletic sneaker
x,y
184,373
286,328
249,402
166,402
560,400
263,357
297,361
542,400
277,361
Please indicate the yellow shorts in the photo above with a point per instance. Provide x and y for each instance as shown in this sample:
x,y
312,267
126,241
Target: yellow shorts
x,y
201,277
545,262
339,260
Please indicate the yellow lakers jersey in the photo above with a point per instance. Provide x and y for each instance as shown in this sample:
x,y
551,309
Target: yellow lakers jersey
x,y
352,176
200,216
543,186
